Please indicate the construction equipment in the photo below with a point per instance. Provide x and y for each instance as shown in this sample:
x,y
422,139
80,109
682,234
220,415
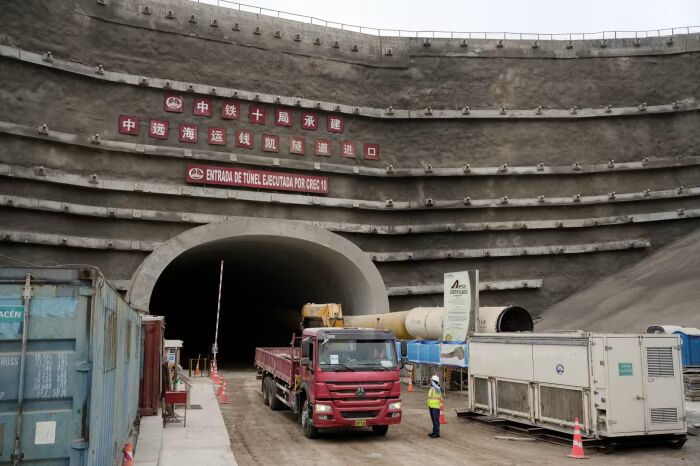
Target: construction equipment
x,y
322,315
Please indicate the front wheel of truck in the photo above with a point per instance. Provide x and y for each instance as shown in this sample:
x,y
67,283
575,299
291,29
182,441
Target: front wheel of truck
x,y
380,430
309,430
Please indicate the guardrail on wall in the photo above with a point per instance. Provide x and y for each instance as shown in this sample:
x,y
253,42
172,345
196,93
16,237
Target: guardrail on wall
x,y
452,34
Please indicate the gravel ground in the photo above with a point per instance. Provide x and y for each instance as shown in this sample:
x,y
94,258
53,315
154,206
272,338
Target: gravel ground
x,y
261,436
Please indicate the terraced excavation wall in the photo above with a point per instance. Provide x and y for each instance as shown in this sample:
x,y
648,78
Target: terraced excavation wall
x,y
545,165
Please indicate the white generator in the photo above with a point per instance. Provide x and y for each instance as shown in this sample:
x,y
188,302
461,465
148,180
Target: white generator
x,y
615,384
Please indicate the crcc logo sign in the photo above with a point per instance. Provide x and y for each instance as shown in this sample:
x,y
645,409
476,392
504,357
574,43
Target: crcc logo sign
x,y
196,173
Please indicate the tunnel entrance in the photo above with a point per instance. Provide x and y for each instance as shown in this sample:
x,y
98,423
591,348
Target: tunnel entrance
x,y
268,277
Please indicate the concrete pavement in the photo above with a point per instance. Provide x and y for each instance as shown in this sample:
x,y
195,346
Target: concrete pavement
x,y
204,440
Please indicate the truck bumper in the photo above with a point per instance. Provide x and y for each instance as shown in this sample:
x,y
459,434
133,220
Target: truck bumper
x,y
357,416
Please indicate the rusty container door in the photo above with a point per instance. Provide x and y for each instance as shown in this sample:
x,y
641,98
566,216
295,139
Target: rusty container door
x,y
149,388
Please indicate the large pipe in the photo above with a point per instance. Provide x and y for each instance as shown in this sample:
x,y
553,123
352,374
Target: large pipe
x,y
425,323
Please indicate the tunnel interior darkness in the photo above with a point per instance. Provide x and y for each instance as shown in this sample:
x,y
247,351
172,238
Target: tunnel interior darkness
x,y
266,281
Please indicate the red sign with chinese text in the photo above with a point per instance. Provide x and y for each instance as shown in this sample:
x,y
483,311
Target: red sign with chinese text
x,y
256,114
173,103
244,139
217,136
335,124
230,110
158,129
270,143
188,133
371,151
322,147
309,121
129,124
283,117
202,106
234,176
297,145
347,149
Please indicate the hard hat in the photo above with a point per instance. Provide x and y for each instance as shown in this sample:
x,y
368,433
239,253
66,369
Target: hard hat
x,y
435,379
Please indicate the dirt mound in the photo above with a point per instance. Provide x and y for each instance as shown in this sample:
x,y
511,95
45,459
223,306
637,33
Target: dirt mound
x,y
661,289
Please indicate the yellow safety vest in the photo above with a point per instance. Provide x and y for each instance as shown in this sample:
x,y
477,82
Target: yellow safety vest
x,y
434,398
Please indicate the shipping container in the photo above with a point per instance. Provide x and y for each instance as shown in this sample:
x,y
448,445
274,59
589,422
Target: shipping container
x,y
69,367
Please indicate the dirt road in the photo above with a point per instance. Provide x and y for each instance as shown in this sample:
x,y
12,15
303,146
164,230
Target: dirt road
x,y
261,436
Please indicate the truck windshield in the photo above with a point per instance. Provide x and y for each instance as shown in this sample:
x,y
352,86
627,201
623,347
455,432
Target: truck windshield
x,y
354,355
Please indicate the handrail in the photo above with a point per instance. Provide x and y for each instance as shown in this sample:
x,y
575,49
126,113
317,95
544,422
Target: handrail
x,y
452,34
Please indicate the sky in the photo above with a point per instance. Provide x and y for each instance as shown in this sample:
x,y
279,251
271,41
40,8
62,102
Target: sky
x,y
543,16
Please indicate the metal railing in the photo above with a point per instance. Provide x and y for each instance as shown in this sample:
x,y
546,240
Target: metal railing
x,y
452,34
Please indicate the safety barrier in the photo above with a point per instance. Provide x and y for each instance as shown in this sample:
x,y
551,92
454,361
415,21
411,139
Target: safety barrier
x,y
97,71
390,171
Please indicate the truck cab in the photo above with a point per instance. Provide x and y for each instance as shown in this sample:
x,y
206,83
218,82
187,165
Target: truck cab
x,y
344,377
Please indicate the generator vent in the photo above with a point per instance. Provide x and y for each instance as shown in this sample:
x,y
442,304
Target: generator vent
x,y
513,396
660,361
481,391
663,415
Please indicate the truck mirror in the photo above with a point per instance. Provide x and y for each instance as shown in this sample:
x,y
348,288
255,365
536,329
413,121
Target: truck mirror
x,y
305,349
404,349
305,361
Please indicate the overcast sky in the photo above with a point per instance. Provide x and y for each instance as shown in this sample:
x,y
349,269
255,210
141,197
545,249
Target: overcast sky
x,y
545,16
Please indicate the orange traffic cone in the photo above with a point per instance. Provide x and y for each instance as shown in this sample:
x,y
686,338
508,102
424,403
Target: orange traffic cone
x,y
577,447
410,385
128,459
220,389
223,398
197,372
442,412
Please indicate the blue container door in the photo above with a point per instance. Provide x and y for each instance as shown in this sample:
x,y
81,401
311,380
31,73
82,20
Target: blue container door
x,y
54,420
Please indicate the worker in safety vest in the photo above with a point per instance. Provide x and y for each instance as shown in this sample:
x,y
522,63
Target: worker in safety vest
x,y
434,396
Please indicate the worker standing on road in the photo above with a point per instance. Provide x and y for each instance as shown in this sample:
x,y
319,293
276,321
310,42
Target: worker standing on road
x,y
434,396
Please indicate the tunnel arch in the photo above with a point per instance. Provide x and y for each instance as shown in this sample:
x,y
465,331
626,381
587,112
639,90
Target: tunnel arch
x,y
272,267
365,287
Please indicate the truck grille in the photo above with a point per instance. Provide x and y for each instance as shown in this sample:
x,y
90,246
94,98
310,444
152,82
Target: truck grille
x,y
663,415
359,414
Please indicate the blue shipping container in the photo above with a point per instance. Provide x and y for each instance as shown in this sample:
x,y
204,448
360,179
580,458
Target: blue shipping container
x,y
80,367
690,346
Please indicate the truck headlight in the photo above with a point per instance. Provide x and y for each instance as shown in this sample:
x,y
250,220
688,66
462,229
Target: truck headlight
x,y
396,405
322,408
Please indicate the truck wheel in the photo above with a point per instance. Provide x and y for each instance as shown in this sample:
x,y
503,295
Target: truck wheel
x,y
380,430
275,403
266,391
309,430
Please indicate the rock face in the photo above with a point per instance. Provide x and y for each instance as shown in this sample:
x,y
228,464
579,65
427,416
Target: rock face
x,y
441,158
660,289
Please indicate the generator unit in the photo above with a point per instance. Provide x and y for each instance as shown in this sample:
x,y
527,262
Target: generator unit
x,y
617,385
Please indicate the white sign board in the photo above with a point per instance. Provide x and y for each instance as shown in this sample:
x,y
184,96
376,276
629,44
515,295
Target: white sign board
x,y
461,300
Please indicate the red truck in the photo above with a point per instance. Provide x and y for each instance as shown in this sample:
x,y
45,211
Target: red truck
x,y
335,377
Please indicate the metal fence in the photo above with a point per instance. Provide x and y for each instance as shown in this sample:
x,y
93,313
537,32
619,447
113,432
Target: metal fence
x,y
453,34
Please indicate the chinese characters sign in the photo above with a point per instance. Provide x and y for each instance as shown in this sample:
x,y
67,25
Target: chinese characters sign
x,y
242,177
